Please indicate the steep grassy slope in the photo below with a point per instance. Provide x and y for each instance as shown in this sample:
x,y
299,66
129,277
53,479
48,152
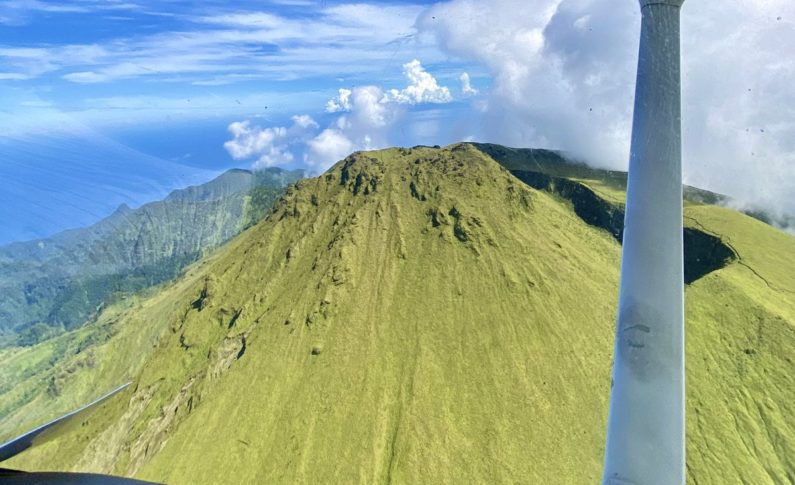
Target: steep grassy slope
x,y
422,316
726,308
60,281
44,381
609,184
741,338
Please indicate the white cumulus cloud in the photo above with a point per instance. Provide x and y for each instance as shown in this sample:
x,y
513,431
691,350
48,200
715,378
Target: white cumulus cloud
x,y
270,146
341,102
328,147
466,85
367,114
304,122
563,76
422,87
365,126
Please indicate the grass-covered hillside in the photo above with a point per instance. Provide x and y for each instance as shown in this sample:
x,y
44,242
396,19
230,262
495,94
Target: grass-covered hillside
x,y
420,316
60,282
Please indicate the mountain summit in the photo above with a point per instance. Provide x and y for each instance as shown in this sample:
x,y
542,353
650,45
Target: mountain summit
x,y
424,316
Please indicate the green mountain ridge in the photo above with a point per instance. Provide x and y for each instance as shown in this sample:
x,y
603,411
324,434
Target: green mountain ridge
x,y
418,316
62,280
612,183
596,196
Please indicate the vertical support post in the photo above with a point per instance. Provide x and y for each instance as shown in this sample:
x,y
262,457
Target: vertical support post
x,y
646,425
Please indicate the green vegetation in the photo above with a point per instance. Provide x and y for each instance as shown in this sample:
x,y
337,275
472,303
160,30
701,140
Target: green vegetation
x,y
64,372
80,299
66,280
418,316
260,202
34,334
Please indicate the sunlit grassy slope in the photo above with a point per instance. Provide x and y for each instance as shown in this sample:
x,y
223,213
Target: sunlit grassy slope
x,y
42,382
422,316
61,282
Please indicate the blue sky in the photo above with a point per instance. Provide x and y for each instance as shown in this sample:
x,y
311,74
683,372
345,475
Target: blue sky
x,y
104,102
145,92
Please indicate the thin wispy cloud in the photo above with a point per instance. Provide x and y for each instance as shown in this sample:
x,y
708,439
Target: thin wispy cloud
x,y
37,6
337,40
21,12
